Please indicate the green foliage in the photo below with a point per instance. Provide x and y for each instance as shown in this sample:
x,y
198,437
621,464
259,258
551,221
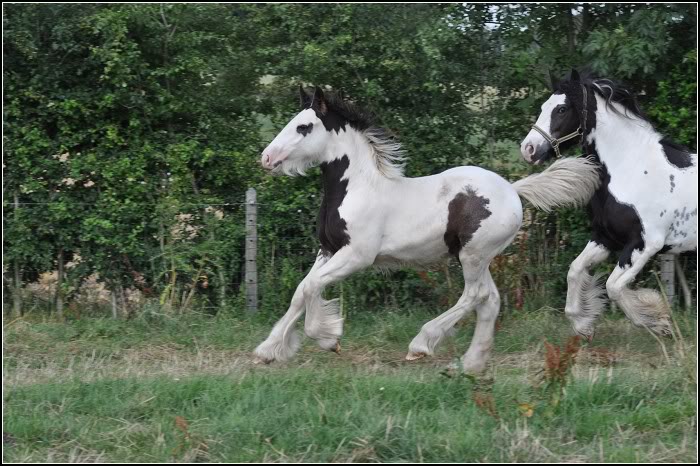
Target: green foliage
x,y
133,131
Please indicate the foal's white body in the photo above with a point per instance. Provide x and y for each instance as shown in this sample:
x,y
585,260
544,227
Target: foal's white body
x,y
392,220
641,176
407,217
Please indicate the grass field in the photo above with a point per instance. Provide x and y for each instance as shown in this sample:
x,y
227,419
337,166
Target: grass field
x,y
164,389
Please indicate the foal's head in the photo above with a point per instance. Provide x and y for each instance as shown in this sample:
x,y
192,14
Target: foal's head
x,y
563,113
305,139
561,116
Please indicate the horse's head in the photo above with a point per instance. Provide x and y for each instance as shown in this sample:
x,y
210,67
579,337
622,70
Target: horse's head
x,y
302,143
561,121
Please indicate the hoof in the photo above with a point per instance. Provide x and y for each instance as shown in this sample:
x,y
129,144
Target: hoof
x,y
587,334
336,348
258,360
663,328
415,356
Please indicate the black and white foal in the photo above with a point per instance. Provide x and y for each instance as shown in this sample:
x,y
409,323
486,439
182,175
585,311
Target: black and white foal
x,y
647,201
371,215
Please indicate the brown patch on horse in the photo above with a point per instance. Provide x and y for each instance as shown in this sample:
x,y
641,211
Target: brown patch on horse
x,y
465,213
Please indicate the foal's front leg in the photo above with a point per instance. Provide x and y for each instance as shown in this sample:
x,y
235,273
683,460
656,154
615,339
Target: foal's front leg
x,y
283,341
323,321
585,299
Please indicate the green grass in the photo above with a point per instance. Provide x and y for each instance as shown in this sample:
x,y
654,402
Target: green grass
x,y
184,389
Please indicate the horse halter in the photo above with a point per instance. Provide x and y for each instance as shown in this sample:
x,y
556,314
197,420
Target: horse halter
x,y
579,131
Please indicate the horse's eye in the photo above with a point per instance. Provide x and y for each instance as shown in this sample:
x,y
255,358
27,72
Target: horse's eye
x,y
562,109
305,129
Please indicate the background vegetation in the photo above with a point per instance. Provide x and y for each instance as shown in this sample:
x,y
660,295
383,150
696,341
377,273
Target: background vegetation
x,y
131,133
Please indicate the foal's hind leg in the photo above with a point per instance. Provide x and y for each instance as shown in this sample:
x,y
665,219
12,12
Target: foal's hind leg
x,y
475,359
644,307
476,291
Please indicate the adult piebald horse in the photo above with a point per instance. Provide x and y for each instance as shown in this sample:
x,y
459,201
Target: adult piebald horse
x,y
371,215
647,201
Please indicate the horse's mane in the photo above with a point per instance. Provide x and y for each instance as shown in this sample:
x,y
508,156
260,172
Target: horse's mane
x,y
611,91
389,156
619,93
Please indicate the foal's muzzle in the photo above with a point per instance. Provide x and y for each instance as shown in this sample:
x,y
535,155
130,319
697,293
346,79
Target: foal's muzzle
x,y
272,158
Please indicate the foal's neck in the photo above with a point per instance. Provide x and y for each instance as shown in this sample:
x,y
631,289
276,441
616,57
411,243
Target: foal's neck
x,y
621,142
350,156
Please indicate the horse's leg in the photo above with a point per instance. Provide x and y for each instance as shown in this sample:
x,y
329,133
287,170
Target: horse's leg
x,y
476,357
585,298
283,341
323,321
476,291
644,307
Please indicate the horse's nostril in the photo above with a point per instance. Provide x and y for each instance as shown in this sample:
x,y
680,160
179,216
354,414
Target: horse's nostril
x,y
530,149
266,159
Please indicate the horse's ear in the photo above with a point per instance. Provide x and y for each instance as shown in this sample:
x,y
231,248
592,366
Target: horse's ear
x,y
319,100
318,94
552,80
304,98
575,76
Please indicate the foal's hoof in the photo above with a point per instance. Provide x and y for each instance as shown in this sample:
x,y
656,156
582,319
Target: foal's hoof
x,y
336,348
663,328
258,360
411,356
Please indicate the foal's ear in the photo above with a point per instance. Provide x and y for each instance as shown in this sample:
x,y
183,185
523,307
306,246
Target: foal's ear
x,y
319,101
304,98
575,76
553,83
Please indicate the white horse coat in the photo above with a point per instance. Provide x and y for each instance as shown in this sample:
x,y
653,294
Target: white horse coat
x,y
372,215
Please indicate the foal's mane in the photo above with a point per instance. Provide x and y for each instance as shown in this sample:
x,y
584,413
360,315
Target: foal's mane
x,y
610,90
390,158
615,91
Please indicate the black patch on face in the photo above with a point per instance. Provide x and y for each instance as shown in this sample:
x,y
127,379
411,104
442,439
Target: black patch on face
x,y
465,213
305,129
673,184
615,225
677,155
325,110
562,124
332,229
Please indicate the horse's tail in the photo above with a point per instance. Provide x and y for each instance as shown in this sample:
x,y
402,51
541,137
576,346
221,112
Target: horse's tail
x,y
567,182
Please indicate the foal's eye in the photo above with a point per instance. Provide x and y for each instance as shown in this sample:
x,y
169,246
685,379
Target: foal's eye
x,y
562,110
305,129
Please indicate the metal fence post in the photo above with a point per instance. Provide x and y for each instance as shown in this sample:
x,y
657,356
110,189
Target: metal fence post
x,y
251,250
668,276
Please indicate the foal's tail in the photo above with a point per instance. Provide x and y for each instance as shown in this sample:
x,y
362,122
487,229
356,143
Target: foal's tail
x,y
570,181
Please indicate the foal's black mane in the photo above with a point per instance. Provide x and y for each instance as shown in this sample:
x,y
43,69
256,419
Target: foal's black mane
x,y
610,90
334,111
617,92
358,117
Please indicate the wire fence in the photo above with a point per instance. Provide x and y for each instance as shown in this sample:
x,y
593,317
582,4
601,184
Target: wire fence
x,y
200,264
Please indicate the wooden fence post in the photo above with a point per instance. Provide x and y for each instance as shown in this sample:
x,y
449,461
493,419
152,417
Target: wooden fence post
x,y
17,282
251,250
668,276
